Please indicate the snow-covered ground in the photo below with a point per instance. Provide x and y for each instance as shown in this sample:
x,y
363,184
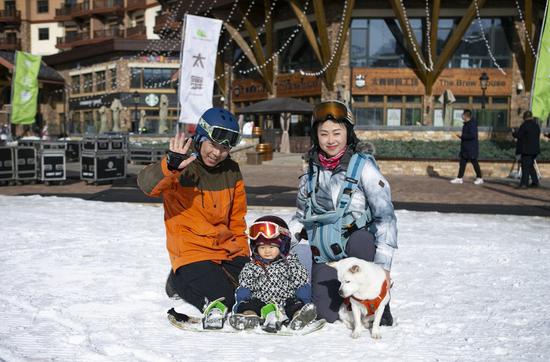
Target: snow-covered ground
x,y
82,280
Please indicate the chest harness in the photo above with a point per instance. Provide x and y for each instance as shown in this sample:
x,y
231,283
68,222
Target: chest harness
x,y
328,231
371,304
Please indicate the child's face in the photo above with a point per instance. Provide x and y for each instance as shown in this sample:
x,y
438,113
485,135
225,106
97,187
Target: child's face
x,y
268,251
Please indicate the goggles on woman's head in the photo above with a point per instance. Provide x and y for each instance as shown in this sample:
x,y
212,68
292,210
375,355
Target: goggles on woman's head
x,y
267,229
333,110
224,136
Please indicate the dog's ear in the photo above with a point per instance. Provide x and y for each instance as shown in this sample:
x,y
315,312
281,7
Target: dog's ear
x,y
354,269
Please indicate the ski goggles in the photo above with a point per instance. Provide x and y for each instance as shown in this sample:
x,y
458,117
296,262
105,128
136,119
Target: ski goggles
x,y
224,136
267,229
333,110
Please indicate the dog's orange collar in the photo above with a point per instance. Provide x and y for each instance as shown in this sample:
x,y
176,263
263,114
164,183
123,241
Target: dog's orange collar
x,y
371,304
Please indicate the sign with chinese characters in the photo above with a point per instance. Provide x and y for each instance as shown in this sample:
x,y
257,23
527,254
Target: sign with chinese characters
x,y
248,90
198,62
297,85
403,81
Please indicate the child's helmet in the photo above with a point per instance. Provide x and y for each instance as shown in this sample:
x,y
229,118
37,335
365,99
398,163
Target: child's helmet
x,y
220,126
269,230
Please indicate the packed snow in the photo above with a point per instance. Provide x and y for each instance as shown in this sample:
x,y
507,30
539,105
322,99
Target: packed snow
x,y
84,281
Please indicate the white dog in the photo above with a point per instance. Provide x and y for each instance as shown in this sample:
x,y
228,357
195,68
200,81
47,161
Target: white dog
x,y
364,284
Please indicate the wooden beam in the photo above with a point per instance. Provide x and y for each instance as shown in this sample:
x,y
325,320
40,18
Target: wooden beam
x,y
259,53
399,38
310,34
237,37
333,67
412,42
320,19
456,37
529,58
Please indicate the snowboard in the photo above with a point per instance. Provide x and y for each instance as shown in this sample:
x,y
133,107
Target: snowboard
x,y
194,324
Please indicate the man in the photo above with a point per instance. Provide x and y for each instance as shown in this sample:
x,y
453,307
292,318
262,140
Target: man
x,y
204,209
528,136
469,148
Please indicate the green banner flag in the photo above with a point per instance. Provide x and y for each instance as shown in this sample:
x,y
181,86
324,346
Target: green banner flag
x,y
540,95
25,88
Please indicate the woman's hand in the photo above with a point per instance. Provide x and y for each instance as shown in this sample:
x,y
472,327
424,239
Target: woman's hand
x,y
177,155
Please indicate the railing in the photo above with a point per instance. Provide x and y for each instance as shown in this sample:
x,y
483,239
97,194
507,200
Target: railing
x,y
108,33
108,4
136,4
70,39
137,32
166,21
10,43
10,15
81,9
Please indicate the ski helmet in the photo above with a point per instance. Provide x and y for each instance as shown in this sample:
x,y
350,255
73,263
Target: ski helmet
x,y
335,111
219,126
269,230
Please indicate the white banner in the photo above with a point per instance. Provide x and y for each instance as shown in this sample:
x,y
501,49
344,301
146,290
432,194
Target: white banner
x,y
198,66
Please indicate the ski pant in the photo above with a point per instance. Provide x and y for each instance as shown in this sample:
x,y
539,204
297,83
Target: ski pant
x,y
206,279
324,279
462,167
292,305
528,169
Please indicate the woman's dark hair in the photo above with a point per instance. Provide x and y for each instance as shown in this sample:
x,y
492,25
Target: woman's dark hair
x,y
352,139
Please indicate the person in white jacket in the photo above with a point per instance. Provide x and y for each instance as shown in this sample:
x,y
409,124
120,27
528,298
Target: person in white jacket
x,y
369,225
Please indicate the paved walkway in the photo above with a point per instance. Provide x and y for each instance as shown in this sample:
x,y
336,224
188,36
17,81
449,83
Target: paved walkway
x,y
274,183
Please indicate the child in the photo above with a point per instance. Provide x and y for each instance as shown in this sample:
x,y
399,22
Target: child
x,y
272,281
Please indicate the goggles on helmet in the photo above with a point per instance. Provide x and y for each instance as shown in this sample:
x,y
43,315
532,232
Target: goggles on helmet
x,y
332,110
224,136
267,229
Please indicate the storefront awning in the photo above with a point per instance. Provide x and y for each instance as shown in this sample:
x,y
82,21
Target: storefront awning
x,y
278,105
45,75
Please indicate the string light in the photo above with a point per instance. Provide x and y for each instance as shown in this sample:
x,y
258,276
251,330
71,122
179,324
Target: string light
x,y
333,53
527,35
410,35
485,39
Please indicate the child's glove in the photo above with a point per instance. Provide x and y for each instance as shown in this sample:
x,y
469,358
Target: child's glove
x,y
242,294
304,293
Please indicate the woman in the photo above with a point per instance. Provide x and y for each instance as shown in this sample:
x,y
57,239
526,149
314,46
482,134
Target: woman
x,y
204,210
344,205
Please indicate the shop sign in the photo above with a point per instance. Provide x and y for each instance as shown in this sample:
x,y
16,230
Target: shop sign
x,y
297,85
247,90
403,81
152,100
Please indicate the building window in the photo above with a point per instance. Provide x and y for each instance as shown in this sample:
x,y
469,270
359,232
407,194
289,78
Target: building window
x,y
379,42
135,74
88,83
75,82
369,116
100,81
42,6
43,33
495,115
113,78
390,111
151,77
299,55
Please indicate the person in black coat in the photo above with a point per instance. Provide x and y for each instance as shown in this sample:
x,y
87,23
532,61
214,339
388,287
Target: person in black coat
x,y
528,138
469,148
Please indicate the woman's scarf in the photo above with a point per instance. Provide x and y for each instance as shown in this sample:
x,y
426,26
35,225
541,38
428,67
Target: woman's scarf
x,y
330,163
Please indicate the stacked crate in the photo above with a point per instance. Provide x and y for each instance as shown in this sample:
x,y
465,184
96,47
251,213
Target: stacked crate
x,y
103,158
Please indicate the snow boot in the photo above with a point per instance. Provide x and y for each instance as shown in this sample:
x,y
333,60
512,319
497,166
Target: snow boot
x,y
170,289
387,319
245,320
303,317
214,314
272,318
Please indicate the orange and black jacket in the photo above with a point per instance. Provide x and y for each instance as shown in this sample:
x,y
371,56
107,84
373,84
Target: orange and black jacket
x,y
204,210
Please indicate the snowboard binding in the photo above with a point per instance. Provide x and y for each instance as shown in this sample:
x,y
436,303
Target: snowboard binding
x,y
303,317
272,318
214,314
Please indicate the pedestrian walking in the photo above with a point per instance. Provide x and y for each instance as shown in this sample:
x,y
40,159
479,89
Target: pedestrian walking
x,y
469,148
528,138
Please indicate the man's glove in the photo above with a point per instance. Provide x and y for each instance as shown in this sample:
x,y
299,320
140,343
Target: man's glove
x,y
174,159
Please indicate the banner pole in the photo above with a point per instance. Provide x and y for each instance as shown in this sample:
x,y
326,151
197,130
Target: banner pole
x,y
178,91
11,99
